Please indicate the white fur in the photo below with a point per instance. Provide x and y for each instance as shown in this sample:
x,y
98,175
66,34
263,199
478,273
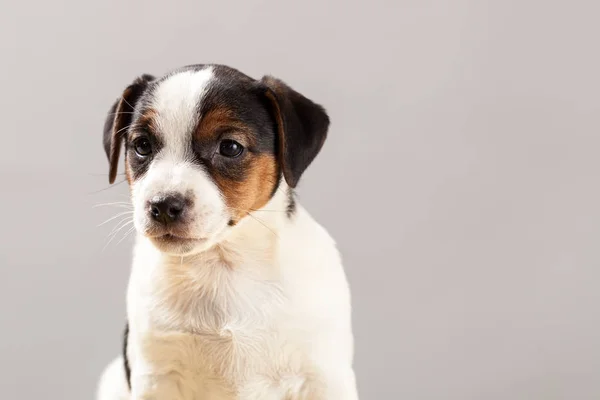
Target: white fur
x,y
112,382
258,311
177,100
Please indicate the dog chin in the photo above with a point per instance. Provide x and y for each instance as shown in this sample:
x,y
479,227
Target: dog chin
x,y
178,246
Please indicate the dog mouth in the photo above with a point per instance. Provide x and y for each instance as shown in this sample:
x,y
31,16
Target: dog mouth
x,y
178,241
177,245
171,239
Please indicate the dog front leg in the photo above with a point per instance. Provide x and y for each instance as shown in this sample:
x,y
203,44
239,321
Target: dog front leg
x,y
340,385
158,387
161,367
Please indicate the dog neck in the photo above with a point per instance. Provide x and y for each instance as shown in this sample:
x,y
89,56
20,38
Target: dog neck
x,y
243,266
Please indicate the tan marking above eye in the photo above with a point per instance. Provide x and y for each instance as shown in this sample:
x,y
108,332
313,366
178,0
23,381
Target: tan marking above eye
x,y
148,120
218,120
261,170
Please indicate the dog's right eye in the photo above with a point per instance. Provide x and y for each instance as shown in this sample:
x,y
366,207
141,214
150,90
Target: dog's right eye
x,y
142,147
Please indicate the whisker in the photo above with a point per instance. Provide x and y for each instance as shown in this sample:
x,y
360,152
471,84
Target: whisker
x,y
256,210
115,217
126,102
113,235
263,224
133,124
121,112
115,204
126,234
280,188
106,188
105,174
120,225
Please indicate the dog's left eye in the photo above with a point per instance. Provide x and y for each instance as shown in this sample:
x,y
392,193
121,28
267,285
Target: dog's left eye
x,y
230,148
142,147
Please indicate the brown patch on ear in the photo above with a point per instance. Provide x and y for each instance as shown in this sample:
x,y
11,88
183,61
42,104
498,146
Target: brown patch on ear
x,y
280,134
128,174
118,127
119,120
255,190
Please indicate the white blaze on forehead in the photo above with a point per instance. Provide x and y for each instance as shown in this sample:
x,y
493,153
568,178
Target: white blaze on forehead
x,y
177,101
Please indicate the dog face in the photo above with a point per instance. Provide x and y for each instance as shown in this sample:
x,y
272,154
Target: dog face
x,y
204,146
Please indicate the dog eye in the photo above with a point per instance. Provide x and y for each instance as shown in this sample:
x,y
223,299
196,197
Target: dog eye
x,y
230,148
142,147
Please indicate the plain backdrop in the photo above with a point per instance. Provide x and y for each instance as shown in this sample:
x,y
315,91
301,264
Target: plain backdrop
x,y
460,179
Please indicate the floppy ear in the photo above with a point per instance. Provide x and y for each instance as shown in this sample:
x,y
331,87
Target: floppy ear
x,y
301,127
118,121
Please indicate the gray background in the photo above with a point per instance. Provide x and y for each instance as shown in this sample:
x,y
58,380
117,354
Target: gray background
x,y
460,180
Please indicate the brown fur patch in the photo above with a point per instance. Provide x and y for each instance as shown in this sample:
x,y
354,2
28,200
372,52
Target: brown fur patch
x,y
215,121
128,175
253,192
260,170
148,120
280,131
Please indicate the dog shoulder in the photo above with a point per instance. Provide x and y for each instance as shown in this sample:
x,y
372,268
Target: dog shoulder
x,y
312,270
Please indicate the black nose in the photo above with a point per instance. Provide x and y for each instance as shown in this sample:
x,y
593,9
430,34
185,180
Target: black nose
x,y
166,209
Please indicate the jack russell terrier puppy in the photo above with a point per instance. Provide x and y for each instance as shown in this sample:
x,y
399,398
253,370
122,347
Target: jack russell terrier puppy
x,y
235,291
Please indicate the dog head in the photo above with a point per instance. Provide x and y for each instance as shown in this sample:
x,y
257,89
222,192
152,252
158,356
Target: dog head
x,y
204,146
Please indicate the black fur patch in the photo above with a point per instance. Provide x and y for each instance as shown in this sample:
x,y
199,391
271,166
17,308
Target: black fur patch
x,y
302,127
125,358
291,205
234,91
139,165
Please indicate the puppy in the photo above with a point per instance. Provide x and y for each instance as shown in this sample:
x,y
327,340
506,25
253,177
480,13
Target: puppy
x,y
235,291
